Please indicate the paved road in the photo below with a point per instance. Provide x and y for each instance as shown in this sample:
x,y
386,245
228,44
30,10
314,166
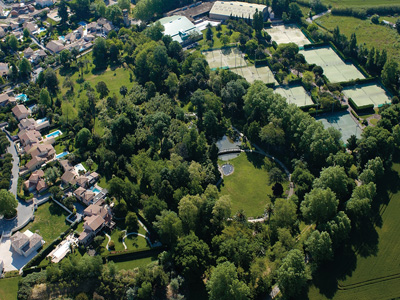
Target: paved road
x,y
15,169
310,20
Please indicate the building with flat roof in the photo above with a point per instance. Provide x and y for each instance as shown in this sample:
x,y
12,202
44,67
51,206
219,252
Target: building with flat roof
x,y
222,10
179,28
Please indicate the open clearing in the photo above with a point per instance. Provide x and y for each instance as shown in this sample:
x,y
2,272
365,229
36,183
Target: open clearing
x,y
225,58
248,185
284,34
364,3
372,35
9,288
367,94
295,94
335,69
376,276
252,74
131,264
49,221
343,122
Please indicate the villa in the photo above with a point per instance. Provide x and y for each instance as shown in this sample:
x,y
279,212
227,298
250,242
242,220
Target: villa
x,y
20,112
6,99
25,243
36,182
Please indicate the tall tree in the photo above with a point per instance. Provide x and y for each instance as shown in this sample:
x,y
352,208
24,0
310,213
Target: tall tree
x,y
318,206
8,204
319,244
99,53
63,12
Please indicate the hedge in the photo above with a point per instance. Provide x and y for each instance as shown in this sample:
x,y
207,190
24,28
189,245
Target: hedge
x,y
358,108
362,13
355,115
358,81
316,45
132,254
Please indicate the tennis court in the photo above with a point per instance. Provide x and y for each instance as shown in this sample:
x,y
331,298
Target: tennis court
x,y
252,74
335,69
296,95
226,57
284,34
343,122
367,94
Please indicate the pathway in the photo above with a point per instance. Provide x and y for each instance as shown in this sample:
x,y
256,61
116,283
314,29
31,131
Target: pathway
x,y
310,20
109,240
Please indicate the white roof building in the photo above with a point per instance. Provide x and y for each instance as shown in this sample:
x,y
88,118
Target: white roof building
x,y
222,10
179,28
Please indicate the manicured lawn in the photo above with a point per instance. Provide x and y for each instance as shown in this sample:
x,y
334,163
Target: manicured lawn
x,y
49,221
9,288
374,275
131,264
378,36
103,183
94,166
248,185
134,242
365,3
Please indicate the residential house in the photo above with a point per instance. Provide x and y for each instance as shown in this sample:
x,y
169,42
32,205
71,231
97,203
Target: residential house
x,y
14,24
92,226
100,210
38,56
28,52
36,182
35,163
84,195
93,178
44,3
55,46
6,99
25,243
69,177
29,137
65,164
32,27
4,69
23,19
82,181
27,124
44,151
20,112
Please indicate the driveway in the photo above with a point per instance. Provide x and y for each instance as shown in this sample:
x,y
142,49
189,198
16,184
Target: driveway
x,y
12,260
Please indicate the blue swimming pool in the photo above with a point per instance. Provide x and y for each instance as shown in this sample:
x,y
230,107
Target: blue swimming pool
x,y
40,121
54,134
95,190
22,97
58,156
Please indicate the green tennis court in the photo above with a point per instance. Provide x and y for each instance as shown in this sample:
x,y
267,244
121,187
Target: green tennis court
x,y
252,74
335,69
226,57
283,34
296,95
367,94
343,122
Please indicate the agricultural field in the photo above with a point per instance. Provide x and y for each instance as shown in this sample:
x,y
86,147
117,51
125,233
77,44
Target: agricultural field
x,y
248,186
252,74
284,34
372,35
357,3
335,69
295,94
367,94
374,276
49,221
225,58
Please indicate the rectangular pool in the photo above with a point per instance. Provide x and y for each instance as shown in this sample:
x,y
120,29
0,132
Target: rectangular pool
x,y
95,190
58,156
40,121
54,134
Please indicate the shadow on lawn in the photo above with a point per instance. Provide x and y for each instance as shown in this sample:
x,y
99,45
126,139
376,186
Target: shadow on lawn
x,y
54,209
256,159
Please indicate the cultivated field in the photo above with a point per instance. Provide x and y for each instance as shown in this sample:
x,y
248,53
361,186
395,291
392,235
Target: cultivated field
x,y
284,34
225,57
343,122
372,35
248,185
296,95
252,74
335,69
376,276
367,94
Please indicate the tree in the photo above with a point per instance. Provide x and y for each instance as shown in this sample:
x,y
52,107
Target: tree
x,y
191,256
51,174
25,68
336,179
68,83
390,73
12,42
44,98
102,89
65,57
172,82
375,19
8,204
225,285
295,13
26,33
338,228
318,206
114,14
63,12
131,222
189,207
319,244
273,135
168,226
221,210
209,34
124,4
155,31
123,90
51,80
82,138
224,39
284,213
99,53
292,274
258,21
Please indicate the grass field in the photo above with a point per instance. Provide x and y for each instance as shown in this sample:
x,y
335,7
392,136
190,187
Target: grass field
x,y
376,276
248,185
131,264
49,221
9,288
338,3
378,36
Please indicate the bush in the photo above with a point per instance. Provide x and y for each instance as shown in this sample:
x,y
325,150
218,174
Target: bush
x,y
111,245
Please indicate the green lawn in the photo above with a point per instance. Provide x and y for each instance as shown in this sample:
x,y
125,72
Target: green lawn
x,y
364,3
49,221
9,288
373,276
131,264
103,183
248,185
378,36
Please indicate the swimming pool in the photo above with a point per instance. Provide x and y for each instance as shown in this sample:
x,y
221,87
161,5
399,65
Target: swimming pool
x,y
61,38
40,121
54,134
58,156
95,190
80,167
22,97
